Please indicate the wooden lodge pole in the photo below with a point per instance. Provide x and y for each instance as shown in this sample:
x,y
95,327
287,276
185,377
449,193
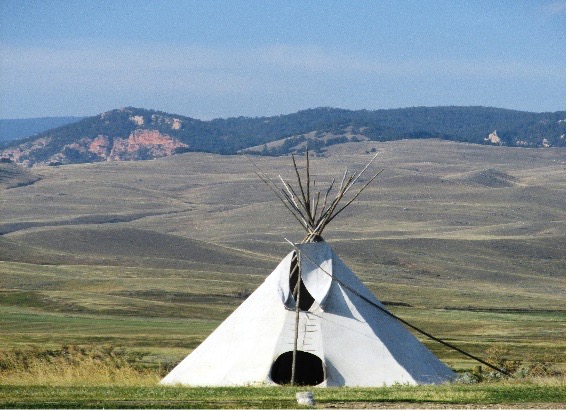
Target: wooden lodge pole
x,y
296,333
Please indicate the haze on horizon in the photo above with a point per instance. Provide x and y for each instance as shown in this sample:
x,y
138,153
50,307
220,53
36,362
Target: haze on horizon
x,y
207,59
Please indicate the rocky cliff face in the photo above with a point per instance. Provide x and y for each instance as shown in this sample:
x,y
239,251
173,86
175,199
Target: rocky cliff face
x,y
151,143
142,144
21,153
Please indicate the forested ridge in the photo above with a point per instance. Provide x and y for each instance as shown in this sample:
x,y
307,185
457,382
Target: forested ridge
x,y
318,127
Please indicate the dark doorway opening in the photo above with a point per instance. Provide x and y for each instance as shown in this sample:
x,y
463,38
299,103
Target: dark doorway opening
x,y
305,298
309,369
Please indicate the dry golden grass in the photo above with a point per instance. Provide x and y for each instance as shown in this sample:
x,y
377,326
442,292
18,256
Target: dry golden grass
x,y
73,366
87,373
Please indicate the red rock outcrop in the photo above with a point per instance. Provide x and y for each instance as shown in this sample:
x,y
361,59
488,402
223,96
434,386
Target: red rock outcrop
x,y
141,144
101,146
20,154
152,141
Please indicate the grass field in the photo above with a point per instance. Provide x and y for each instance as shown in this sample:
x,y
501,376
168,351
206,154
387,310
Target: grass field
x,y
496,396
465,241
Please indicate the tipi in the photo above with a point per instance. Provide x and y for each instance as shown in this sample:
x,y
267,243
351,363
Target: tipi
x,y
312,321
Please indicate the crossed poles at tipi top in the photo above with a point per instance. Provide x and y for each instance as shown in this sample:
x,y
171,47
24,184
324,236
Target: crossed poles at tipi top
x,y
314,212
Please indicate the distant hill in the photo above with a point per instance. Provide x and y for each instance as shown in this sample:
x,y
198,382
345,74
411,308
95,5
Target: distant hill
x,y
139,134
12,175
13,129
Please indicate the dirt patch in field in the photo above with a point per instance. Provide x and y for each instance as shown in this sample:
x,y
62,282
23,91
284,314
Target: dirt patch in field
x,y
434,405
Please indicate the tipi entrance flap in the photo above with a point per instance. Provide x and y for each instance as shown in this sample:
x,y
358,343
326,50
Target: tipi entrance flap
x,y
316,269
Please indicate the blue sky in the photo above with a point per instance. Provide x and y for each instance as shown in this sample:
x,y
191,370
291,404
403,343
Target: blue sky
x,y
208,59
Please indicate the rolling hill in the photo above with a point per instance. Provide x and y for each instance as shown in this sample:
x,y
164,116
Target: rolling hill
x,y
466,241
13,175
140,134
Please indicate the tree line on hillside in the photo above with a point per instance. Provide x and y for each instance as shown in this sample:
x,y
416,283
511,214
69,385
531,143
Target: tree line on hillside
x,y
464,124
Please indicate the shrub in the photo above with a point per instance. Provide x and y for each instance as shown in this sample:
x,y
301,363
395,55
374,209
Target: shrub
x,y
501,356
467,378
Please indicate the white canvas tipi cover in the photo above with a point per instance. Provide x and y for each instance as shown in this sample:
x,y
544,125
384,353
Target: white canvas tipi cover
x,y
342,339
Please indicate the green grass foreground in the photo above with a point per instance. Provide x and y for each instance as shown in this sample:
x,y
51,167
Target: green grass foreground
x,y
547,394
